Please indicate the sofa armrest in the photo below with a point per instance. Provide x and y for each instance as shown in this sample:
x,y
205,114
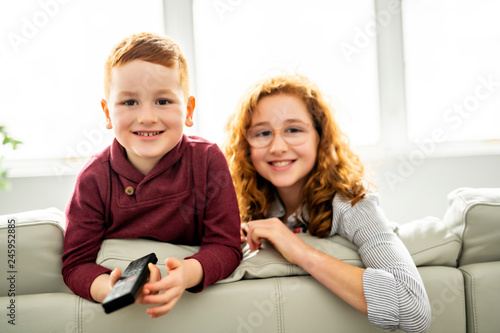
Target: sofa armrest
x,y
34,244
474,215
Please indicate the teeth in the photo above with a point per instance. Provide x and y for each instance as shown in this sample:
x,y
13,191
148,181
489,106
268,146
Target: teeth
x,y
148,133
282,163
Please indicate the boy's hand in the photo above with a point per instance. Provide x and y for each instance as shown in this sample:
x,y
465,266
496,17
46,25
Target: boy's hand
x,y
154,276
102,285
181,274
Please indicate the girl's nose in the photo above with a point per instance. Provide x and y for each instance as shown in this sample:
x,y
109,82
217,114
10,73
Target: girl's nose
x,y
147,115
278,145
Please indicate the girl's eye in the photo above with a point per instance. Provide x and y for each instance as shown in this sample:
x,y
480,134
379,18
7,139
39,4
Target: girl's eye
x,y
130,103
163,102
264,133
294,129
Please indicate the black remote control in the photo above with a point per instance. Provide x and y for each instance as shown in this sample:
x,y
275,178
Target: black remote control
x,y
129,285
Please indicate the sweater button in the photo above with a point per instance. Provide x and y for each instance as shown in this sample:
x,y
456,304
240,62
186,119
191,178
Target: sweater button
x,y
129,190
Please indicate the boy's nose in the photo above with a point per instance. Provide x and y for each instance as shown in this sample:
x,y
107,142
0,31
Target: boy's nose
x,y
147,115
278,145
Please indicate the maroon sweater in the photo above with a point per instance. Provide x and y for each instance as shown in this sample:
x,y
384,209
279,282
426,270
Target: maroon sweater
x,y
187,198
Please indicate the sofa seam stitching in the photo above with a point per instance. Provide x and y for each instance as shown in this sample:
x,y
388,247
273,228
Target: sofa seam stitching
x,y
279,307
78,316
471,298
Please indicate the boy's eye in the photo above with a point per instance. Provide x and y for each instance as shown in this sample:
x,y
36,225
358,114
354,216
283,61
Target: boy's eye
x,y
130,103
163,102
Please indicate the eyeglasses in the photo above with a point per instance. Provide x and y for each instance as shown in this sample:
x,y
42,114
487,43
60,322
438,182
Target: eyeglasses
x,y
294,133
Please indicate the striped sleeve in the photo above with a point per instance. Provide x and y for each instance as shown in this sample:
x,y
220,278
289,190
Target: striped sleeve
x,y
393,288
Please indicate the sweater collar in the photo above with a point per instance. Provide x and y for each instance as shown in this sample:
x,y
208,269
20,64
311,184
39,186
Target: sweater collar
x,y
122,166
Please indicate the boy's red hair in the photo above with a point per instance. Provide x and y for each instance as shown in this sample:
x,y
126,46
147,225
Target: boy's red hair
x,y
337,168
149,47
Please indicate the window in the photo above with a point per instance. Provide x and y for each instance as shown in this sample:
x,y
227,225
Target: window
x,y
392,85
52,58
331,42
452,52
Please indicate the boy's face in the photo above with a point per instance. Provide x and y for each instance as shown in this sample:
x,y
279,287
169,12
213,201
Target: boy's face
x,y
147,109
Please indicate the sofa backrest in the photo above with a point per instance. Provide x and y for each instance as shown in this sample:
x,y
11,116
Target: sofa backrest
x,y
474,215
429,241
31,245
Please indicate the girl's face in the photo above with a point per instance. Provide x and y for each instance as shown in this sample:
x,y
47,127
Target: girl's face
x,y
286,166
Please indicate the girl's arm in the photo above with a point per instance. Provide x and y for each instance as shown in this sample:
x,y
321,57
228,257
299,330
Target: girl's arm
x,y
345,280
394,291
390,290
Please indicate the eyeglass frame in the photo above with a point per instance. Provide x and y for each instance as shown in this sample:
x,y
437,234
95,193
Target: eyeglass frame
x,y
279,131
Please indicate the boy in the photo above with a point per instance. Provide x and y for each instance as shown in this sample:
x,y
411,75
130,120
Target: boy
x,y
152,181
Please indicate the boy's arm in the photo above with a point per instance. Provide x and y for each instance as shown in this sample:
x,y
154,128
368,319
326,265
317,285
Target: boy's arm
x,y
85,229
220,250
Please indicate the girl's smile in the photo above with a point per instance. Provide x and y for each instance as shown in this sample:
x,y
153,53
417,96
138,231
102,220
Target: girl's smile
x,y
281,165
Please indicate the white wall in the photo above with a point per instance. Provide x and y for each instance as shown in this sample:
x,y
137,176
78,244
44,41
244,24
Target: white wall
x,y
419,194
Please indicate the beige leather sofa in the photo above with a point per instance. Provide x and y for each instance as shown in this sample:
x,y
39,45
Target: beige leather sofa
x,y
458,257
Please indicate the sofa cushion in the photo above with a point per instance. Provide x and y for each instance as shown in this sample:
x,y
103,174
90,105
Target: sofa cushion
x,y
474,215
429,241
482,289
446,292
37,242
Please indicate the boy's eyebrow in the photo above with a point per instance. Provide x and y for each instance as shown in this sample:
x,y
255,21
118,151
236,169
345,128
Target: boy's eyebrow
x,y
127,93
164,91
134,93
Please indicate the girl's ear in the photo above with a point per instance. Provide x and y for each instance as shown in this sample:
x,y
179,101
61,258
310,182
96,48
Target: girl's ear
x,y
191,103
104,106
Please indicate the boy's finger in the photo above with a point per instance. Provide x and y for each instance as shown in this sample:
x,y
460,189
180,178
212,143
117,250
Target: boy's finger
x,y
172,263
154,276
114,276
154,271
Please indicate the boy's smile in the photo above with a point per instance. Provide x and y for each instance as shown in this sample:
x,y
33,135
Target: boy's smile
x,y
147,109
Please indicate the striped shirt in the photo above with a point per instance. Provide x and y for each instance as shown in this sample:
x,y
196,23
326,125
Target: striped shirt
x,y
394,291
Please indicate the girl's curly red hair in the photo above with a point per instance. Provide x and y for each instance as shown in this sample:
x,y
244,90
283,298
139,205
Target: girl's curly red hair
x,y
337,168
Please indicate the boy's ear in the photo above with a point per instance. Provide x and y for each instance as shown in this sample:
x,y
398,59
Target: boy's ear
x,y
104,105
191,102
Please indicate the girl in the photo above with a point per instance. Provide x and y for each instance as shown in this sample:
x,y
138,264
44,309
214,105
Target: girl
x,y
294,172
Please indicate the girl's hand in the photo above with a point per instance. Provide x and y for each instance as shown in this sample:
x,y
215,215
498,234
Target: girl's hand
x,y
243,230
180,275
283,239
